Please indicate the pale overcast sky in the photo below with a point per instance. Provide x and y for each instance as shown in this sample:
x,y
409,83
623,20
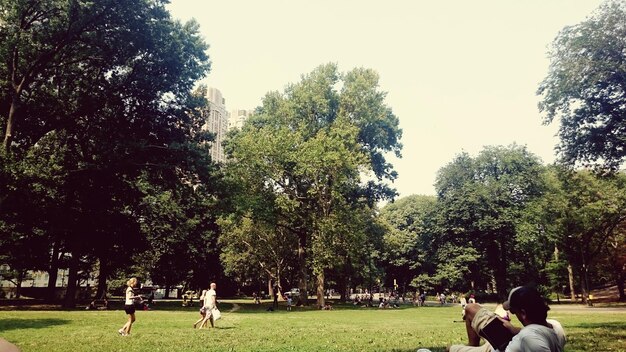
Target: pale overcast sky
x,y
459,74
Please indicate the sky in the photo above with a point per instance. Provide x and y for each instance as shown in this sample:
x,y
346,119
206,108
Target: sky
x,y
459,74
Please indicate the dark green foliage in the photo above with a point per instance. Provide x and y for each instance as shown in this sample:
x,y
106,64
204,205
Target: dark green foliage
x,y
481,201
585,88
96,103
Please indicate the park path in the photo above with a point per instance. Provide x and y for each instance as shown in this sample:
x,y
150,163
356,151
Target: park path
x,y
235,308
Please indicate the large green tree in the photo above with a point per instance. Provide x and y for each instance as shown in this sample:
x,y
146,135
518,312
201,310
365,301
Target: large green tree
x,y
481,201
302,157
105,88
407,245
585,215
585,89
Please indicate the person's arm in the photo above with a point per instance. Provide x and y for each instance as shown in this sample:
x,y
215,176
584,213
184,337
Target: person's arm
x,y
130,294
507,324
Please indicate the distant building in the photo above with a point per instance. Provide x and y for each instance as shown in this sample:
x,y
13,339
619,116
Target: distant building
x,y
217,123
238,117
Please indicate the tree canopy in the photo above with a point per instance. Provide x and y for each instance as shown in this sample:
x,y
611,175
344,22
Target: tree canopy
x,y
98,95
299,163
585,89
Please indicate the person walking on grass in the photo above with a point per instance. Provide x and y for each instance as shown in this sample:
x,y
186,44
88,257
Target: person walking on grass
x,y
202,309
129,306
210,305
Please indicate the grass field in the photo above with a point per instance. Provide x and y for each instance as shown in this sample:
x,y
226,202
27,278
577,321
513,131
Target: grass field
x,y
251,328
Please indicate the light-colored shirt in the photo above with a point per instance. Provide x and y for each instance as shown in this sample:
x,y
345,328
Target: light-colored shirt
x,y
130,295
539,338
210,298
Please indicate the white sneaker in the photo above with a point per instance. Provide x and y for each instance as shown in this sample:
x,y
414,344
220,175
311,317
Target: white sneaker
x,y
121,332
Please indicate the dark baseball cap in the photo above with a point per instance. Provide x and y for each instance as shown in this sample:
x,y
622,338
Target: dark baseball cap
x,y
524,297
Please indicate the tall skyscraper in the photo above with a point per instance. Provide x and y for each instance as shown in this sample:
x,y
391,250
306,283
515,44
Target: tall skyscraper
x,y
217,123
238,117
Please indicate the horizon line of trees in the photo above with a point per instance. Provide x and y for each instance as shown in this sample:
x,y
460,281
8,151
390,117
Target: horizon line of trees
x,y
105,169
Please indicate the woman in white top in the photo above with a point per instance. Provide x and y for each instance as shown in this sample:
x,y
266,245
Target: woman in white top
x,y
202,309
129,306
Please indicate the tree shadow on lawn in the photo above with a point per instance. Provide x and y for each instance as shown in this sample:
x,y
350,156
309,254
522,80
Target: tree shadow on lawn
x,y
14,324
609,330
612,325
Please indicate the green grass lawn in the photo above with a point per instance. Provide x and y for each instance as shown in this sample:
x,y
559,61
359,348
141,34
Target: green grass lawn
x,y
251,328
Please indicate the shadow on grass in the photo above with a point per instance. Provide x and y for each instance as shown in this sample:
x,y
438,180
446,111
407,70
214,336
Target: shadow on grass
x,y
432,349
613,325
14,324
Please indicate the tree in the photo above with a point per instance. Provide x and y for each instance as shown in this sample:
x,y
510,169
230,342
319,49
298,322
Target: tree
x,y
586,88
105,88
407,244
481,201
589,219
252,250
302,156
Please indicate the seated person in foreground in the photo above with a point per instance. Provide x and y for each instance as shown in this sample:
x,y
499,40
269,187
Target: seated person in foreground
x,y
538,334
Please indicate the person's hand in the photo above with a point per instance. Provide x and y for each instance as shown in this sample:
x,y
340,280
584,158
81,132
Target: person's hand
x,y
507,324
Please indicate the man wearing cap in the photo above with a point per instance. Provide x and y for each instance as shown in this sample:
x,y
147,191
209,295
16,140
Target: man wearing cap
x,y
539,334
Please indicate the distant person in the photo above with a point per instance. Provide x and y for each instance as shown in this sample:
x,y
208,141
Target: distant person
x,y
538,334
289,301
462,300
129,306
202,309
210,305
472,299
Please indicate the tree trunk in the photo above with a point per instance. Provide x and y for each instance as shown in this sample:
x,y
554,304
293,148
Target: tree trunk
x,y
501,275
72,279
53,274
103,273
584,289
18,283
8,134
620,286
303,298
270,290
342,286
617,264
499,269
572,289
320,289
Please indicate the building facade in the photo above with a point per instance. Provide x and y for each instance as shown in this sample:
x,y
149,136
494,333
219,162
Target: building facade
x,y
238,117
216,123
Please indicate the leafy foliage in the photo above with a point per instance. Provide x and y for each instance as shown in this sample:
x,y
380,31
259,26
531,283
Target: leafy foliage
x,y
96,104
585,88
299,161
481,201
